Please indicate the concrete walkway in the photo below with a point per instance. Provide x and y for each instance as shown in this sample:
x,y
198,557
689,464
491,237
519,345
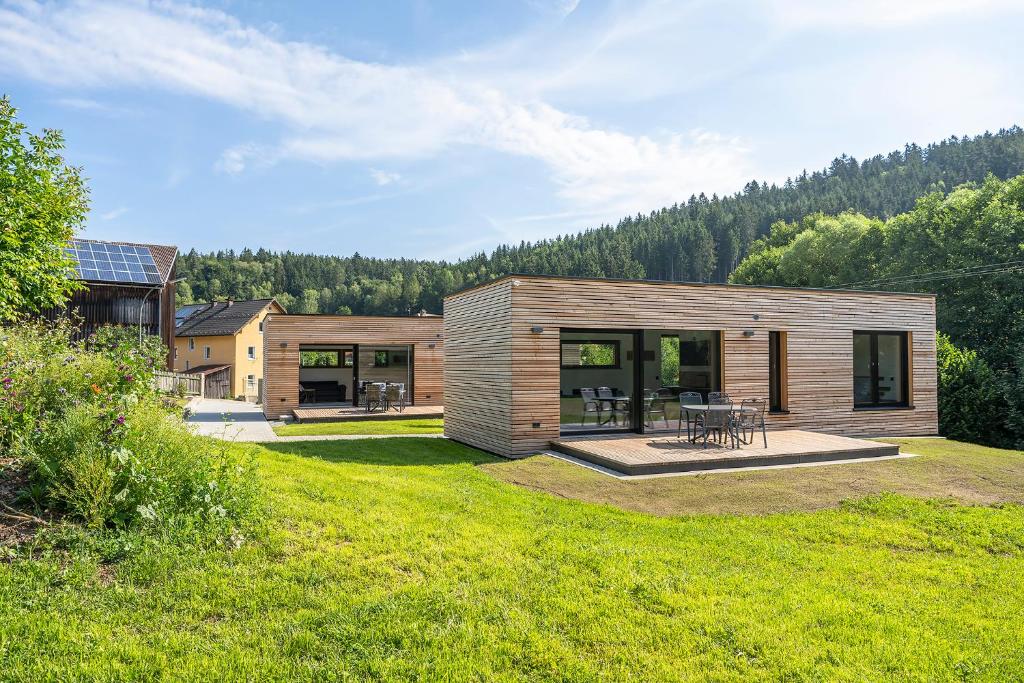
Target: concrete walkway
x,y
241,421
230,420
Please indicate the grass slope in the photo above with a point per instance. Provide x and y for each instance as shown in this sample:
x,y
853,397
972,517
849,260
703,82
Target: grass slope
x,y
369,427
404,559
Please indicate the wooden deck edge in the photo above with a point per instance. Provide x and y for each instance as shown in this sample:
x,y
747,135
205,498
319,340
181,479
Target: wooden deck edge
x,y
881,450
368,416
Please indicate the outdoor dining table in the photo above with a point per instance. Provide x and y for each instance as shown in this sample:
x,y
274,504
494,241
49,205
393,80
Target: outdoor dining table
x,y
716,407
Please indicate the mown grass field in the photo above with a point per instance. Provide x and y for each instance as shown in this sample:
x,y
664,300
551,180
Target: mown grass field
x,y
408,558
368,427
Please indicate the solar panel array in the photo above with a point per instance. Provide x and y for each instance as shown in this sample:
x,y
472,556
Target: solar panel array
x,y
104,262
186,312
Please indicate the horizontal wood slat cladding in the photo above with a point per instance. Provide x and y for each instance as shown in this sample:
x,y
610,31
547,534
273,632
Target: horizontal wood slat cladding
x,y
281,363
497,320
478,367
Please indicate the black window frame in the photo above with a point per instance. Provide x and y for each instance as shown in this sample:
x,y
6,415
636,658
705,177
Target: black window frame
x,y
776,350
875,403
615,343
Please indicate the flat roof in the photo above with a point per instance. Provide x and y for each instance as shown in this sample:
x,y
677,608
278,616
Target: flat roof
x,y
414,316
572,278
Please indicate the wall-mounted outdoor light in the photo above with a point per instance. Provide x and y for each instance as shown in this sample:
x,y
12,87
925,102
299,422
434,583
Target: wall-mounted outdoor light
x,y
431,345
284,345
536,329
757,317
748,333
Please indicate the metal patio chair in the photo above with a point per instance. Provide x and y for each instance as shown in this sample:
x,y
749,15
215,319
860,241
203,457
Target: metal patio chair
x,y
654,405
394,395
718,423
749,419
375,397
692,417
591,406
615,406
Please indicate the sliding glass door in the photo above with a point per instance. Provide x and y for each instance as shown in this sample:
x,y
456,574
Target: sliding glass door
x,y
626,380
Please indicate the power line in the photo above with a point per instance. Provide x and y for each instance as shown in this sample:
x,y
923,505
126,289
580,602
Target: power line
x,y
970,270
932,272
950,276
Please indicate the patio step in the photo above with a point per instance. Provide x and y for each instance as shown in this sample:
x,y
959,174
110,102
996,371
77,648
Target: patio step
x,y
639,454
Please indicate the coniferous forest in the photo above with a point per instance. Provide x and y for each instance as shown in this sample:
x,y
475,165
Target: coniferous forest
x,y
701,240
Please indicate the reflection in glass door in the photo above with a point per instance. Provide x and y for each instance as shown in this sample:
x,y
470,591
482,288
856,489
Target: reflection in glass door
x,y
676,362
597,380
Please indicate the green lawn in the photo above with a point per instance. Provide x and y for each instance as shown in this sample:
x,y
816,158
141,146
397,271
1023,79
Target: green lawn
x,y
947,470
408,558
368,427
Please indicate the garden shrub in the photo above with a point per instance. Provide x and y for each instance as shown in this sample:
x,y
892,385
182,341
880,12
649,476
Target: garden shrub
x,y
103,448
972,397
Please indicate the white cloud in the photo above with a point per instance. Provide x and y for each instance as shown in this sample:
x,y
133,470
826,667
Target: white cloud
x,y
384,177
114,213
94,106
877,13
337,109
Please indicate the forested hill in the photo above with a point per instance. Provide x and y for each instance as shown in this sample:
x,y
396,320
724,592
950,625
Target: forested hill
x,y
701,240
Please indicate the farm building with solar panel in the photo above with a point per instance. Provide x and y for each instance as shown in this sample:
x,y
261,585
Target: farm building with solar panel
x,y
126,284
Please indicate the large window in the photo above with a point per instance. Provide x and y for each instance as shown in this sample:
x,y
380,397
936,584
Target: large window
x,y
880,369
590,354
318,359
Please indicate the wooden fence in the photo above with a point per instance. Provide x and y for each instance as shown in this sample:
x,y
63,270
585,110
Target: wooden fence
x,y
173,382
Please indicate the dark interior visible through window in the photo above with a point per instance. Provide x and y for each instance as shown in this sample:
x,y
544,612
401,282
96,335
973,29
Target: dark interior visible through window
x,y
880,370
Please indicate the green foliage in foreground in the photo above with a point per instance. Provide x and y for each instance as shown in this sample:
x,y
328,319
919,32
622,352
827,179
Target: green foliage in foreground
x,y
401,559
102,450
42,202
972,404
369,427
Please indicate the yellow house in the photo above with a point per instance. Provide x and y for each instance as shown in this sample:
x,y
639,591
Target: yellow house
x,y
223,341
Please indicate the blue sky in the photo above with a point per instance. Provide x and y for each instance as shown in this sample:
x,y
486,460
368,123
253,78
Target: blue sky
x,y
437,129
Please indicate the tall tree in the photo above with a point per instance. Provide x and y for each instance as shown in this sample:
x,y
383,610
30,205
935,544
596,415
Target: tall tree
x,y
43,201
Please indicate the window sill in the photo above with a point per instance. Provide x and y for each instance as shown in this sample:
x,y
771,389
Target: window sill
x,y
873,408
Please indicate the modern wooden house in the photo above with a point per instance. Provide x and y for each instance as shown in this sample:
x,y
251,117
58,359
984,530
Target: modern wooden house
x,y
523,352
223,341
127,284
326,359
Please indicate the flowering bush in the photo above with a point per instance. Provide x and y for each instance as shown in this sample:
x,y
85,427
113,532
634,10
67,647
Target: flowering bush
x,y
101,446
